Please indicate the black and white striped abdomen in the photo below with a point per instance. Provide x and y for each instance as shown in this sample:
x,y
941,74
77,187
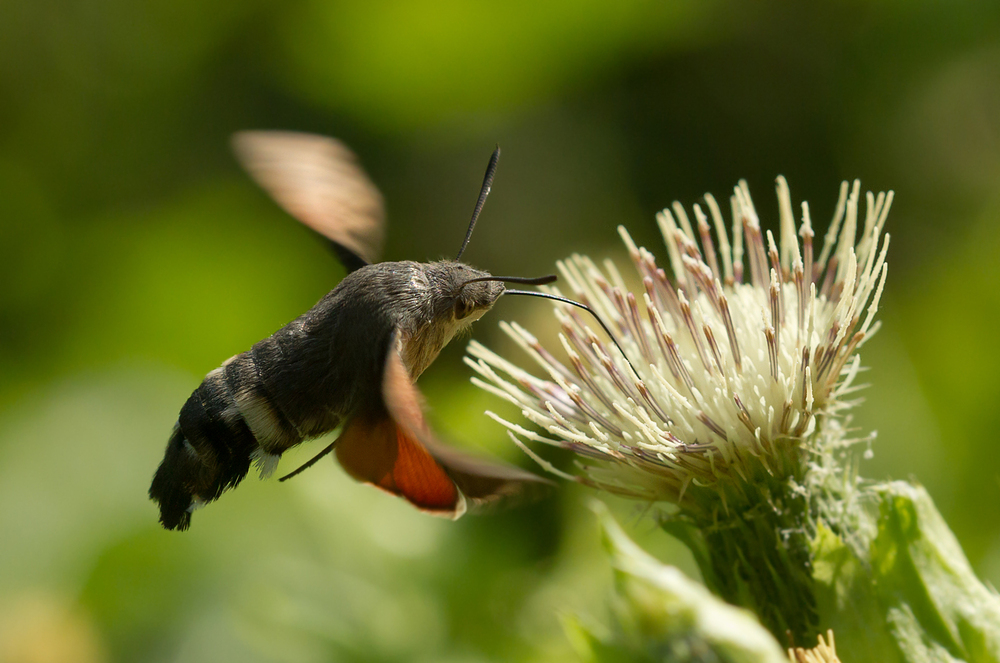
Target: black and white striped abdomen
x,y
230,421
296,384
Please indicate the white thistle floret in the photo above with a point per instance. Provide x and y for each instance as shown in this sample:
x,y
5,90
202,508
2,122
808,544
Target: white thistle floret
x,y
727,370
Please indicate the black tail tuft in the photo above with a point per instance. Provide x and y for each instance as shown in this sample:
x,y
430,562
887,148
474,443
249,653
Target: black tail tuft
x,y
209,452
174,482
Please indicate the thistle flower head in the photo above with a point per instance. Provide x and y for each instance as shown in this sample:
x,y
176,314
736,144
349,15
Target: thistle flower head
x,y
721,371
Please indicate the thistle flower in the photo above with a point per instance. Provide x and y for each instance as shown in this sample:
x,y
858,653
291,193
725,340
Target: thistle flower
x,y
718,374
722,390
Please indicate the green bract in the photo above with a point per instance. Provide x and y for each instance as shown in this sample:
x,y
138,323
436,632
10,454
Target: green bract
x,y
664,616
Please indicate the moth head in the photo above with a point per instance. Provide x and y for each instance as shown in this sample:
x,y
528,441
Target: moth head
x,y
466,293
478,294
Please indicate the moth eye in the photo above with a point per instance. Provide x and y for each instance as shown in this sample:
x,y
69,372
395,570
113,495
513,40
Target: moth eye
x,y
462,309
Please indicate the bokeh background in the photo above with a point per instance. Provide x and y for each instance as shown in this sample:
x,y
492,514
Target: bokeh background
x,y
135,256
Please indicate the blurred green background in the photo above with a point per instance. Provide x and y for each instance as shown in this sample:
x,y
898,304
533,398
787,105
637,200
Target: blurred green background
x,y
135,256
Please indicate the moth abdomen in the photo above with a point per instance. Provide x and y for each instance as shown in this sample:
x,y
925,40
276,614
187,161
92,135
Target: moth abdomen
x,y
209,451
257,406
298,392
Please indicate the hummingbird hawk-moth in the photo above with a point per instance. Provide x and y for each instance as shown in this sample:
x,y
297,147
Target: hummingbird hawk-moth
x,y
350,361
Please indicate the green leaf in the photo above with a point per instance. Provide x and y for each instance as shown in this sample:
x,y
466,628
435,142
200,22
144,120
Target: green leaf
x,y
926,583
906,592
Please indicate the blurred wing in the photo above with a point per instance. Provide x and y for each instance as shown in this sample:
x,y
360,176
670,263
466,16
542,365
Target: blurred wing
x,y
386,447
398,453
488,485
382,453
319,181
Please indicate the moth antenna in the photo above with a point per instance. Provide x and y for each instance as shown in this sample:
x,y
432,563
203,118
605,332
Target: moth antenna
x,y
491,169
532,293
309,463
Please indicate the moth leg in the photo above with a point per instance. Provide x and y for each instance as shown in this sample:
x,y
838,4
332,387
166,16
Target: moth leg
x,y
310,462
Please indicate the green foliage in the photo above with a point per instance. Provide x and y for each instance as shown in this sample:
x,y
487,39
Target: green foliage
x,y
906,593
